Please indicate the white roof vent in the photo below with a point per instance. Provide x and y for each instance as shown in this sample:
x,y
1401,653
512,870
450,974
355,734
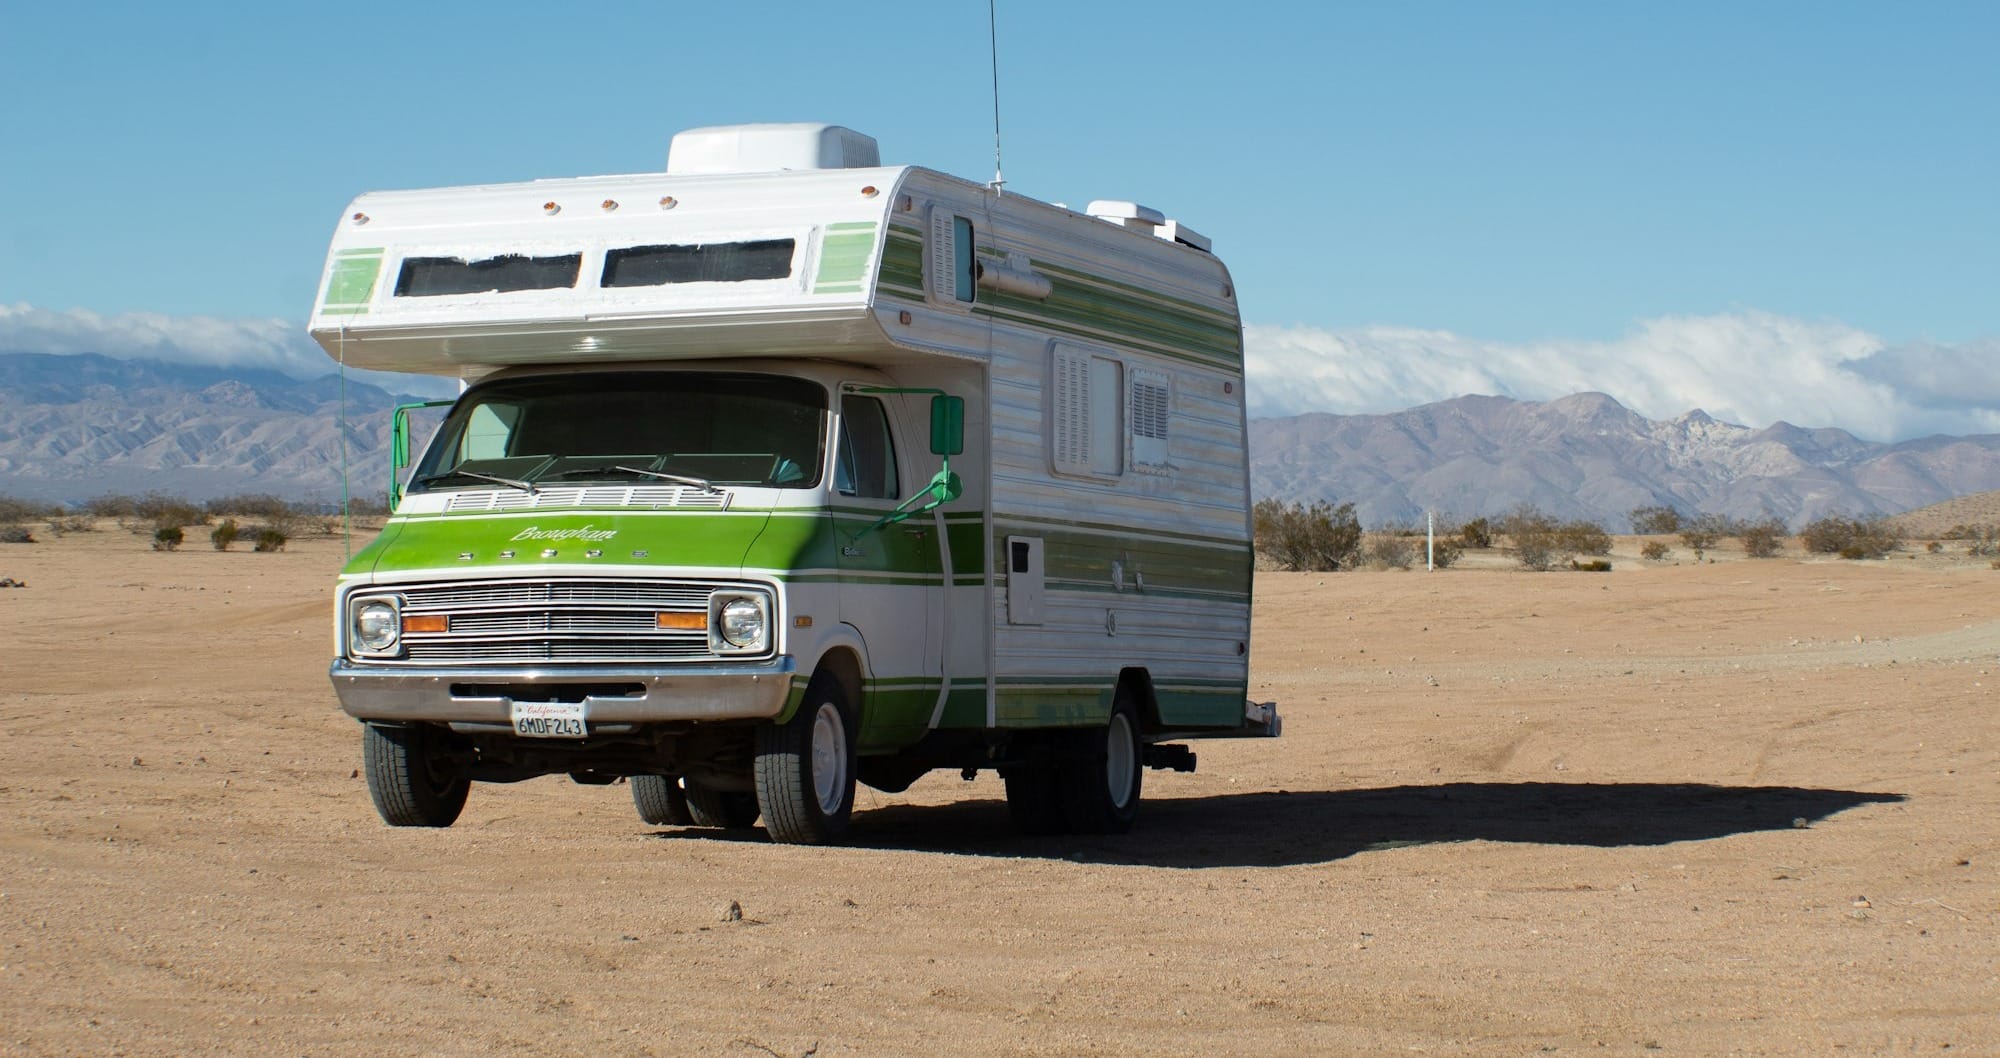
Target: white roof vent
x,y
769,148
1149,220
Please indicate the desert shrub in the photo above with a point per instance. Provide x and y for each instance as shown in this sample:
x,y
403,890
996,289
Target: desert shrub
x,y
1765,539
16,534
1703,531
1583,537
1655,551
1476,535
1541,541
1393,551
1444,552
1983,541
14,509
1656,521
224,534
1933,547
112,505
269,539
1870,536
158,508
368,507
1533,534
1595,565
168,538
276,512
1297,536
71,523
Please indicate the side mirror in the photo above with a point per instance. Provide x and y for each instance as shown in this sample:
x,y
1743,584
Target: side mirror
x,y
947,425
399,445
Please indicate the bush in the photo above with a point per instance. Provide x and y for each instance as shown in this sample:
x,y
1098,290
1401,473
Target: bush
x,y
1703,532
1853,538
13,509
1655,551
1765,539
280,514
224,534
1541,542
167,538
16,534
1656,521
159,508
1476,535
1393,551
1315,537
269,539
78,523
1983,541
1444,552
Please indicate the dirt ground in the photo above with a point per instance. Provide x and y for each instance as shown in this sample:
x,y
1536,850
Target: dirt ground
x,y
1730,808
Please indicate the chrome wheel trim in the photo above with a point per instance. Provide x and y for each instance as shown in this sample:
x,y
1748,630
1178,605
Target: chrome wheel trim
x,y
1121,760
829,758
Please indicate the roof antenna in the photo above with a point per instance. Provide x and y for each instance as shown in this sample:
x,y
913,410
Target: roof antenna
x,y
993,39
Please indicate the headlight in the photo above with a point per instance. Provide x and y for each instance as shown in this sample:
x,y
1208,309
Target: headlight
x,y
739,623
377,626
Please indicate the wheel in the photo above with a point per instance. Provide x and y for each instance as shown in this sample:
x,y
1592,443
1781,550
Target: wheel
x,y
1034,799
660,801
1100,783
805,768
410,779
728,809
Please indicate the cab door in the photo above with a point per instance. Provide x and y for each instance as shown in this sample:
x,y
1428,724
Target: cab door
x,y
889,576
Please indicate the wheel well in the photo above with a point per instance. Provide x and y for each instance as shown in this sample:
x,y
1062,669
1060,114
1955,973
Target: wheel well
x,y
842,665
1138,684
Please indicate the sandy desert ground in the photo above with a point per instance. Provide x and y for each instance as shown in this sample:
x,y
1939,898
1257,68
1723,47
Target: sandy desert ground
x,y
1731,808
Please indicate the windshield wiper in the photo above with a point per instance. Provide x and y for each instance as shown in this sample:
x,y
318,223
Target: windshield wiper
x,y
679,479
525,486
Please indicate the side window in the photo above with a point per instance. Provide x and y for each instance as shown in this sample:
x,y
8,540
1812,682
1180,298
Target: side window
x,y
866,466
1086,429
954,276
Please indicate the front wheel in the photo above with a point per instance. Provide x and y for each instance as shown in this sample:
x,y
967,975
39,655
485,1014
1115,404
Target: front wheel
x,y
805,768
412,781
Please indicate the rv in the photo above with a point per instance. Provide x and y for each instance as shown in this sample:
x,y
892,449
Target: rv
x,y
783,470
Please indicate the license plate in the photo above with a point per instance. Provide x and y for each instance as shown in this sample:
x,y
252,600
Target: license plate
x,y
548,719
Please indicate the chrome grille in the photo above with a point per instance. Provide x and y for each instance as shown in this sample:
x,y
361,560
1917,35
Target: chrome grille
x,y
554,496
577,620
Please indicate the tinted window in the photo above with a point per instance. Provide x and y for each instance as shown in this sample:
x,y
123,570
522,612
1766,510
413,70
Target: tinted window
x,y
722,262
424,277
738,429
867,462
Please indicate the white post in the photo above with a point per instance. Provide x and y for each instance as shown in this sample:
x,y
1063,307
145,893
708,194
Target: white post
x,y
1430,541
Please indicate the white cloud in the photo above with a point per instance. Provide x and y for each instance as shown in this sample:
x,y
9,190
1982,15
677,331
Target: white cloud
x,y
274,344
1754,368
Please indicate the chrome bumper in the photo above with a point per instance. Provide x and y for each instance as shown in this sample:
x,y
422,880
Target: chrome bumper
x,y
721,691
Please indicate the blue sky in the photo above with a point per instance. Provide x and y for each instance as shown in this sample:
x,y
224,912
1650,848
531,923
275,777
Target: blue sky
x,y
1529,181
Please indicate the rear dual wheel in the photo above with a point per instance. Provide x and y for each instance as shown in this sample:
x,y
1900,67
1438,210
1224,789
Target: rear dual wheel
x,y
660,800
1092,784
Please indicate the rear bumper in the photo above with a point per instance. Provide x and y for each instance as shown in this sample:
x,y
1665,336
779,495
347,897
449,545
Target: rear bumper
x,y
724,691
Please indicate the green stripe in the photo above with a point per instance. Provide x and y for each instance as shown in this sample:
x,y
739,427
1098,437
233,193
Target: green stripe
x,y
843,258
352,282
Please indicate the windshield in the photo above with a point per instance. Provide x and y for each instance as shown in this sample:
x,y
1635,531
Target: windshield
x,y
696,428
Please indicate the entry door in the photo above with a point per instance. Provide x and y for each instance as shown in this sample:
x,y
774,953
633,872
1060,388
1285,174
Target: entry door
x,y
889,586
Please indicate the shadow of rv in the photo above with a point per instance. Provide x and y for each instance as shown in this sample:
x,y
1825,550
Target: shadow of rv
x,y
1292,828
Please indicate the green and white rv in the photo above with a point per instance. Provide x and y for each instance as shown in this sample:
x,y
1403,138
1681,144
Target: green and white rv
x,y
785,469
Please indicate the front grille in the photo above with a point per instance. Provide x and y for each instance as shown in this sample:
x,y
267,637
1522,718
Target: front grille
x,y
567,620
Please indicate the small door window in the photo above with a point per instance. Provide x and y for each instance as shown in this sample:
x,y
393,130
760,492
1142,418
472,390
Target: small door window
x,y
867,464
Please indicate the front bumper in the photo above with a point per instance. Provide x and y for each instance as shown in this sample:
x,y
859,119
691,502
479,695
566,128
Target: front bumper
x,y
751,690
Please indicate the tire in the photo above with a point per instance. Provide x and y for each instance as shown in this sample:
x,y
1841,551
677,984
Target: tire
x,y
727,809
805,768
410,779
1034,799
1101,781
660,801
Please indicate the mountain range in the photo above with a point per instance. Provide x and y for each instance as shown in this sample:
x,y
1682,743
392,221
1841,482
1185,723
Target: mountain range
x,y
77,426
